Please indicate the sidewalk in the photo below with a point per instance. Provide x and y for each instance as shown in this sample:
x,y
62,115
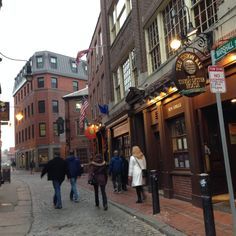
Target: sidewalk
x,y
175,214
15,208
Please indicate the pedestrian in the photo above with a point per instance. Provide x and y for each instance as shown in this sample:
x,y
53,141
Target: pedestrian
x,y
98,178
74,171
137,163
115,170
13,165
32,166
124,175
56,170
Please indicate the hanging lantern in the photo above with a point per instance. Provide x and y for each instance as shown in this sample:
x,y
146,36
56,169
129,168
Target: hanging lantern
x,y
91,131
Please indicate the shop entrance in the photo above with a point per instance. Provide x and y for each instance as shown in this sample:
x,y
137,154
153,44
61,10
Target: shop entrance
x,y
213,140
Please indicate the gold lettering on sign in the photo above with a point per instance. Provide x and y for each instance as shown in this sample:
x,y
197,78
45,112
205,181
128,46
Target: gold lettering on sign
x,y
174,107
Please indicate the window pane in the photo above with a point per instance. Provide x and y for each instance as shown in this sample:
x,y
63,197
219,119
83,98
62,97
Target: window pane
x,y
75,86
53,62
41,106
54,82
40,82
39,62
55,106
42,129
127,75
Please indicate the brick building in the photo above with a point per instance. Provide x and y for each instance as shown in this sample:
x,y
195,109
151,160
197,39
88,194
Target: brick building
x,y
147,108
75,138
41,104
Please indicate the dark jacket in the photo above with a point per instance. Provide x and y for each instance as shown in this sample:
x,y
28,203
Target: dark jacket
x,y
73,166
116,165
56,169
99,170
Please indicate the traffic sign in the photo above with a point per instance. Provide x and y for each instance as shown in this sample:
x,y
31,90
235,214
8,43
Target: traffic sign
x,y
225,49
217,79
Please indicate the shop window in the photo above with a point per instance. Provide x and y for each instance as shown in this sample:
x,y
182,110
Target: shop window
x,y
179,143
42,156
83,154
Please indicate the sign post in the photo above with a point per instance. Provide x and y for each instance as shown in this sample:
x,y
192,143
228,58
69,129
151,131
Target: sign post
x,y
225,150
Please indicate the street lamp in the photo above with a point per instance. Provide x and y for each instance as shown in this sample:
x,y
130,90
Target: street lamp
x,y
19,116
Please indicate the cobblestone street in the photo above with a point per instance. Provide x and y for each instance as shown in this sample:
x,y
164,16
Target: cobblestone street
x,y
81,218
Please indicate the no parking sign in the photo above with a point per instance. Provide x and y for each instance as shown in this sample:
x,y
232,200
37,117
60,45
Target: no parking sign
x,y
217,79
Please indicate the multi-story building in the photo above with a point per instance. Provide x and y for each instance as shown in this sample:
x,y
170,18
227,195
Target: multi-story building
x,y
41,104
74,126
147,109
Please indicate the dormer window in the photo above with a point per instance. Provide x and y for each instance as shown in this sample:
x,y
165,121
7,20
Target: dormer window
x,y
53,62
39,61
74,67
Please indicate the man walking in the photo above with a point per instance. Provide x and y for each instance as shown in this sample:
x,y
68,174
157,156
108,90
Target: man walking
x,y
115,169
56,170
74,170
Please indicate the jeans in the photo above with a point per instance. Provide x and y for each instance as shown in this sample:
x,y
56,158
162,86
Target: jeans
x,y
104,196
74,195
57,194
116,180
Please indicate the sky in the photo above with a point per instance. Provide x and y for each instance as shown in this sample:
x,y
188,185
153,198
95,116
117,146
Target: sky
x,y
27,26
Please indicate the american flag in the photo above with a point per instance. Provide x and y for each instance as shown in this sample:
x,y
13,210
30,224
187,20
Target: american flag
x,y
83,108
81,54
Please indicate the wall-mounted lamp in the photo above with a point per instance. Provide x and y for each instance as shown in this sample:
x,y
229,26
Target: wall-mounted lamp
x,y
203,40
19,116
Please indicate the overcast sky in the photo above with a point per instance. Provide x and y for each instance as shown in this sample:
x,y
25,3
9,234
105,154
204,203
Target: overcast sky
x,y
27,26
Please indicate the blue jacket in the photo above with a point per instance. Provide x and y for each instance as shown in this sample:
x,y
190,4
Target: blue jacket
x,y
116,165
73,166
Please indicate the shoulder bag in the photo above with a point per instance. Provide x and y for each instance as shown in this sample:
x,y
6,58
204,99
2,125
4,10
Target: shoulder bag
x,y
144,171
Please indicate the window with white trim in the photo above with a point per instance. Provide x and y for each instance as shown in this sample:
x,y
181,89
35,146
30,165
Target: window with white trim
x,y
119,14
204,13
154,45
175,22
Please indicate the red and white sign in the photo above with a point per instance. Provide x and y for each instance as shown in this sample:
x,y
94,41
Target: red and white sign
x,y
217,79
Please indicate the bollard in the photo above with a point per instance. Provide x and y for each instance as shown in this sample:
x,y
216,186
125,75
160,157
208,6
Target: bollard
x,y
207,205
155,193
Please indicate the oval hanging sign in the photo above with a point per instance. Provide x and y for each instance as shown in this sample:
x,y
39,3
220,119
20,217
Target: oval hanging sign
x,y
190,76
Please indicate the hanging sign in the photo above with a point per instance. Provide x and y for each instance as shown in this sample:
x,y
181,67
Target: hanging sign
x,y
217,79
190,76
4,111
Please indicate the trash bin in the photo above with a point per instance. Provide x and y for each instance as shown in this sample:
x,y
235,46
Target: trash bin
x,y
6,174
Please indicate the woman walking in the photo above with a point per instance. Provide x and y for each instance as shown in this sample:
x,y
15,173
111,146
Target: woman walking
x,y
98,178
137,163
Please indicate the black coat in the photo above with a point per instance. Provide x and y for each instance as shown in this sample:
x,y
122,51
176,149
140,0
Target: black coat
x,y
99,170
56,169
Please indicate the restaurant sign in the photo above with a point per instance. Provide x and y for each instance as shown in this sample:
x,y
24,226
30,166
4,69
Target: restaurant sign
x,y
190,76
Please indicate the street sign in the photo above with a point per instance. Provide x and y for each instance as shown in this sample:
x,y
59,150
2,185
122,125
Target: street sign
x,y
225,49
217,79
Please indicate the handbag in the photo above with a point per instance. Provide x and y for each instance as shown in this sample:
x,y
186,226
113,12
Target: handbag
x,y
144,171
92,180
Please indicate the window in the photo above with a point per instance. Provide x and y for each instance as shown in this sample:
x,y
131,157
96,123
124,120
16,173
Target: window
x,y
101,45
83,155
29,132
54,82
27,88
39,61
40,82
154,45
53,62
179,143
117,86
28,109
26,136
204,14
78,106
74,67
55,108
42,129
32,131
41,106
127,75
55,129
117,18
75,86
175,22
32,109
